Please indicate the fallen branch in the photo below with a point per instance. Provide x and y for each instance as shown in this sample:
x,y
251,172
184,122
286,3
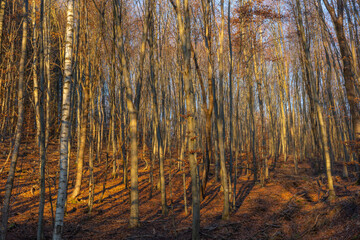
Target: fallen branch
x,y
212,236
298,194
312,227
146,236
221,226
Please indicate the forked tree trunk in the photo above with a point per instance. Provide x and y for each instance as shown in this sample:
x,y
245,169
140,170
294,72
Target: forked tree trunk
x,y
208,110
183,19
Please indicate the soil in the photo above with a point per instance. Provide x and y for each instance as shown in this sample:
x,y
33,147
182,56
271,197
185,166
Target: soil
x,y
288,206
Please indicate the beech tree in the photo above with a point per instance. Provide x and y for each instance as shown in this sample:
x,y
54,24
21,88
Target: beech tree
x,y
146,93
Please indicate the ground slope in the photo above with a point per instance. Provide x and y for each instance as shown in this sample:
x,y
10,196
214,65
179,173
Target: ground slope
x,y
288,206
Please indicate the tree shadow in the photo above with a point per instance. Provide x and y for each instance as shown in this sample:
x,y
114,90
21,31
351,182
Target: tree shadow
x,y
243,192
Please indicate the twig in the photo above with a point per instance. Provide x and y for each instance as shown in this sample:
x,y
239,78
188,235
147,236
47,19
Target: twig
x,y
272,225
156,220
264,229
146,236
2,169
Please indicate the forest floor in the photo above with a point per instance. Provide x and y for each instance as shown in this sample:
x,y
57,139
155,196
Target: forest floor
x,y
289,206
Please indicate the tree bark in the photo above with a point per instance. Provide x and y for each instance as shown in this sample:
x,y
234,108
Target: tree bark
x,y
183,19
65,124
348,70
2,13
40,122
19,125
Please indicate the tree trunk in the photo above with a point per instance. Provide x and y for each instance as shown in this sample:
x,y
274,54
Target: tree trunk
x,y
159,137
349,72
219,108
314,95
40,123
65,124
47,52
183,19
2,13
19,124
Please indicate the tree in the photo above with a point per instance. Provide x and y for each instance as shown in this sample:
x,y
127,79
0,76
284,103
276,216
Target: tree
x,y
65,123
183,19
19,125
39,102
348,63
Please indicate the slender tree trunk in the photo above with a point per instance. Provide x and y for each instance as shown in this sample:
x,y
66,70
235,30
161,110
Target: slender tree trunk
x,y
92,134
19,125
314,95
40,122
47,50
123,137
346,57
2,13
210,79
219,110
83,134
134,194
326,152
65,124
153,83
133,115
183,19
